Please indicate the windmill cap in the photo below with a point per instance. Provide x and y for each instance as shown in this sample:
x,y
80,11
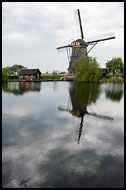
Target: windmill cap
x,y
81,41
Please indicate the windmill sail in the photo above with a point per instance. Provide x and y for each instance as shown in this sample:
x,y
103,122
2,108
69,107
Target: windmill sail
x,y
107,36
82,36
78,24
63,47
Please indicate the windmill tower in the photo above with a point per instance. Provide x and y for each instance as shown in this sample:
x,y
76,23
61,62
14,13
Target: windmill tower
x,y
79,46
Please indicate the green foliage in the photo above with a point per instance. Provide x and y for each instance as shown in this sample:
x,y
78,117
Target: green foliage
x,y
13,77
4,75
115,78
115,65
15,68
87,69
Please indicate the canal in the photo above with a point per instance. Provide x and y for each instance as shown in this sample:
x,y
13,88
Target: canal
x,y
62,135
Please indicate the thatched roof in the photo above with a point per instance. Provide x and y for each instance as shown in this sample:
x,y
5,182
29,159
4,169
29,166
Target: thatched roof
x,y
29,71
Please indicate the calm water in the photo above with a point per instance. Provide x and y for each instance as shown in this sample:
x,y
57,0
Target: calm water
x,y
61,134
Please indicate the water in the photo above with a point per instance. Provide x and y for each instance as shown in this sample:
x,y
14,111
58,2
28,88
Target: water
x,y
61,134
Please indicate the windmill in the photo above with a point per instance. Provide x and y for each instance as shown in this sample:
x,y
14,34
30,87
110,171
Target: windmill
x,y
79,46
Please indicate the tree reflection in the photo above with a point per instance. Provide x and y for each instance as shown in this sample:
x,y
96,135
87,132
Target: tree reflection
x,y
19,88
114,92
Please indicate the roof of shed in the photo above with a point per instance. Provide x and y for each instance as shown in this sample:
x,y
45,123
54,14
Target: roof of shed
x,y
28,71
104,70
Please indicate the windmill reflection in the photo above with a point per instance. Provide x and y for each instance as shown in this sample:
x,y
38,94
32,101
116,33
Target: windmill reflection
x,y
82,95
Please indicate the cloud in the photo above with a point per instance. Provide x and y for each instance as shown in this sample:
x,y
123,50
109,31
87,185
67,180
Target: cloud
x,y
43,26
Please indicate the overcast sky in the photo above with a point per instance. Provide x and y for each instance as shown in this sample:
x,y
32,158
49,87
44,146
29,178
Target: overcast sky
x,y
32,31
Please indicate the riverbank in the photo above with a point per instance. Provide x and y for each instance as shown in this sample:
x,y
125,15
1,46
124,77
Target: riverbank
x,y
110,78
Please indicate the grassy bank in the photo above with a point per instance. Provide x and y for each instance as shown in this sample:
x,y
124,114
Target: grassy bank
x,y
15,77
50,77
43,77
116,78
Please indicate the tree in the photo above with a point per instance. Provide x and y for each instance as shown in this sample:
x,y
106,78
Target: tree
x,y
4,75
9,70
87,69
54,72
14,69
115,65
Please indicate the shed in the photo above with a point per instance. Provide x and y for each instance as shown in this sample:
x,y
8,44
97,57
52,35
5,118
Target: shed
x,y
29,74
104,71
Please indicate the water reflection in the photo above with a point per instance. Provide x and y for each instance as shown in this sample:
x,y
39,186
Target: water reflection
x,y
79,172
20,88
82,95
114,92
40,141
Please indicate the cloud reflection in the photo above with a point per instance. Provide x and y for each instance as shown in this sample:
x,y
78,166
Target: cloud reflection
x,y
44,148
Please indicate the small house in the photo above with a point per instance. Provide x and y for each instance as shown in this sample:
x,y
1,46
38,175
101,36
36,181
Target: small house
x,y
104,72
29,74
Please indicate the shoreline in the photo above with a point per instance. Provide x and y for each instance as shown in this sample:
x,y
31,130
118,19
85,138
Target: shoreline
x,y
53,80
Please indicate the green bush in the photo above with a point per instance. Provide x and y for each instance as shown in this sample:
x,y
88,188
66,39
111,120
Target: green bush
x,y
13,77
4,75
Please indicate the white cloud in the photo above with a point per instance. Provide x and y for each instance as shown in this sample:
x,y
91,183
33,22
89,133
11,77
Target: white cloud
x,y
43,26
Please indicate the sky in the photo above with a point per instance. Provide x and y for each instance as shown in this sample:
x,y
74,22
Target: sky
x,y
32,31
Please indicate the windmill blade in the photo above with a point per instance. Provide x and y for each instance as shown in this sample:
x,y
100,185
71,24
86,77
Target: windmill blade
x,y
61,50
100,116
78,25
61,108
63,47
103,37
82,36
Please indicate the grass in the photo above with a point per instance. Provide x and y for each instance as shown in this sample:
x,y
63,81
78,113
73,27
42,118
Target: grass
x,y
51,77
111,78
